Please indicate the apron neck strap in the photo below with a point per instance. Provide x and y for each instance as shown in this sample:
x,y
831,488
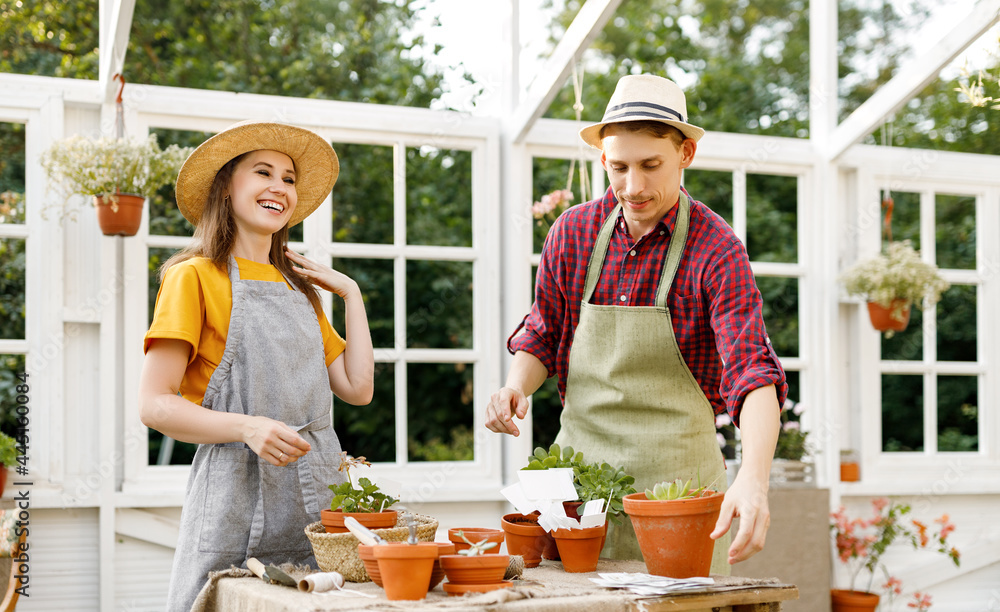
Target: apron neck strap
x,y
234,269
674,251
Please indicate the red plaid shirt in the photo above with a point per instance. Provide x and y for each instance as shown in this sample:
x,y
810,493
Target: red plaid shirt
x,y
714,303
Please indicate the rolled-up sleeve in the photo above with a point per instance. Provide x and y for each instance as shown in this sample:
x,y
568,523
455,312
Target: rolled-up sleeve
x,y
749,360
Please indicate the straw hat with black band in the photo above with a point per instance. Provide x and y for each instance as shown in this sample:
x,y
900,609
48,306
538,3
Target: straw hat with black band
x,y
644,97
316,164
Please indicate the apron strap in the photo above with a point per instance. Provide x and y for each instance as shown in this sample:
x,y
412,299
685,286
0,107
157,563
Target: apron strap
x,y
674,252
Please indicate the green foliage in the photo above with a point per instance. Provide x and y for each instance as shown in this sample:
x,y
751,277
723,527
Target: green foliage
x,y
475,548
8,450
457,447
555,457
899,274
678,489
591,480
366,499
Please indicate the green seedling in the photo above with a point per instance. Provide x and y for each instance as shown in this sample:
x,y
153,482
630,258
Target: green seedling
x,y
474,549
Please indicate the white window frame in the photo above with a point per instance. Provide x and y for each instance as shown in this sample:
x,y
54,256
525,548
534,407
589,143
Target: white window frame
x,y
928,472
400,128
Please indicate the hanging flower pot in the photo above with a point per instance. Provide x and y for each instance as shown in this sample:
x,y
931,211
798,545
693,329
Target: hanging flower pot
x,y
121,217
406,568
579,549
674,534
333,520
853,601
894,318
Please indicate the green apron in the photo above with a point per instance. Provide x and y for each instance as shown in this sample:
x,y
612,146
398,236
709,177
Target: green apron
x,y
630,398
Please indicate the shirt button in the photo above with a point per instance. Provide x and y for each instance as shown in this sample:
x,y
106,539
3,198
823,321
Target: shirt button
x,y
622,298
662,232
631,253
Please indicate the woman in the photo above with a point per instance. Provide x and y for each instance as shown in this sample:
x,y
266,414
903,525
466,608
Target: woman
x,y
238,330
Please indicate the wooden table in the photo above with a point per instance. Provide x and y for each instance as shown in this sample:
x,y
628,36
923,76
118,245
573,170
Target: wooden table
x,y
546,588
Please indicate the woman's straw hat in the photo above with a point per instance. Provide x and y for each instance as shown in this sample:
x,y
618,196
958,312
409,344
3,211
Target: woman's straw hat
x,y
644,97
316,164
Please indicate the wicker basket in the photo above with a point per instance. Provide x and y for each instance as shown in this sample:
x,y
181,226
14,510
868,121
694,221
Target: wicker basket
x,y
338,552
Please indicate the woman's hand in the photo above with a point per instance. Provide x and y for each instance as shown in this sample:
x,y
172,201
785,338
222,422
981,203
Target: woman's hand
x,y
323,277
273,441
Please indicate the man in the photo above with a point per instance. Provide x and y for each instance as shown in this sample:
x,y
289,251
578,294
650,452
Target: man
x,y
647,310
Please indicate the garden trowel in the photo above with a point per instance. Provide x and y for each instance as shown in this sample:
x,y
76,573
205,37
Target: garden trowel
x,y
270,573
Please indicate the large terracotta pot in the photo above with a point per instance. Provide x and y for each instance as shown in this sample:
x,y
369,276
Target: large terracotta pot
x,y
674,535
525,537
125,220
480,569
476,534
853,601
579,549
405,568
882,319
333,520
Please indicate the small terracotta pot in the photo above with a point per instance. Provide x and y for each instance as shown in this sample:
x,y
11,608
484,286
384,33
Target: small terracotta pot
x,y
481,569
579,549
850,471
882,319
437,574
572,509
476,534
462,589
674,535
853,601
405,568
123,222
525,537
371,563
333,520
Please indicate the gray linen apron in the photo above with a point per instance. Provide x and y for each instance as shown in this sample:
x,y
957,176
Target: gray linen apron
x,y
238,505
630,398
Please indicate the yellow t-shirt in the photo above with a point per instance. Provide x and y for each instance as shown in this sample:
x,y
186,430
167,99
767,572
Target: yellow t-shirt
x,y
194,304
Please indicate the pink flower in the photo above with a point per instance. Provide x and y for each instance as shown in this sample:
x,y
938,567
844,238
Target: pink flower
x,y
921,601
721,440
880,504
555,201
721,420
893,584
791,426
798,409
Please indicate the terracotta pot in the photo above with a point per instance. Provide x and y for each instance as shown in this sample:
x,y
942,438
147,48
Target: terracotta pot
x,y
437,573
462,589
850,471
579,549
673,535
405,568
853,601
882,319
480,569
123,222
572,509
476,534
333,520
525,537
371,563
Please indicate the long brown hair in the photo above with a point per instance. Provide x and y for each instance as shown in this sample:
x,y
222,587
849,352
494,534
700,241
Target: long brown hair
x,y
215,236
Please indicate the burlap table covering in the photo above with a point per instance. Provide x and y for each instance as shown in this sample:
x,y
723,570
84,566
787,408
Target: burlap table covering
x,y
238,589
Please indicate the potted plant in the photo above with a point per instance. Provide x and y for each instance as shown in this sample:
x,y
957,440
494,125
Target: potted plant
x,y
118,174
457,536
891,282
525,537
789,465
861,543
8,457
473,571
591,480
672,523
366,503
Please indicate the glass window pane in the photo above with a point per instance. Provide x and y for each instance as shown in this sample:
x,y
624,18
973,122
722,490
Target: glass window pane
x,y
772,205
10,367
374,277
546,410
905,218
363,195
440,411
11,173
439,197
550,175
165,219
781,313
439,304
370,431
12,286
176,453
956,329
955,230
958,426
794,389
902,413
907,344
713,188
156,258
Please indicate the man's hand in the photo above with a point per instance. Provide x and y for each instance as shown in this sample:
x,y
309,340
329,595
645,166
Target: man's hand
x,y
746,499
504,405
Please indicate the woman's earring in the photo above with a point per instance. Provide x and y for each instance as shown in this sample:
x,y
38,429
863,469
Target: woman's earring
x,y
226,200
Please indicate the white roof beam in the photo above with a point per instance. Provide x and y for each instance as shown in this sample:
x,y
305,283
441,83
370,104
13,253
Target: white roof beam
x,y
585,27
116,22
913,77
